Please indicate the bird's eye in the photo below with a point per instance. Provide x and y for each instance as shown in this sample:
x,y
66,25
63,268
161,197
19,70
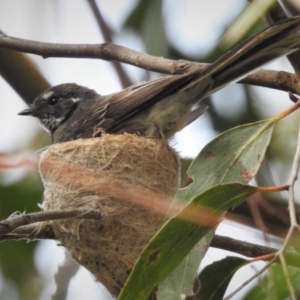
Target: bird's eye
x,y
53,101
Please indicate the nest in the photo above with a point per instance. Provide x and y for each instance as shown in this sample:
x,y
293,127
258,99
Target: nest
x,y
131,180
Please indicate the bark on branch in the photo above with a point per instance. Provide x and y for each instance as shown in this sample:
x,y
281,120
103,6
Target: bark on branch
x,y
27,227
108,51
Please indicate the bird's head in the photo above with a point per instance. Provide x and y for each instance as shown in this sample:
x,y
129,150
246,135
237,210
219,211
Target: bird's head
x,y
57,104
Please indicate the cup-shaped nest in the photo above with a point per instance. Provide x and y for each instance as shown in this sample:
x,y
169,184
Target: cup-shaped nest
x,y
130,180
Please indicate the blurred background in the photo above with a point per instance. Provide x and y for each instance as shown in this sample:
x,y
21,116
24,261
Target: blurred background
x,y
189,29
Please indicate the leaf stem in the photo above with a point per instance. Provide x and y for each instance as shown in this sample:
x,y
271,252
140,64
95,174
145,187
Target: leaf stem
x,y
287,112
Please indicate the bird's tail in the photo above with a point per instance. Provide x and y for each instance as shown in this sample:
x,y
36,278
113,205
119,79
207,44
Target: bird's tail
x,y
278,40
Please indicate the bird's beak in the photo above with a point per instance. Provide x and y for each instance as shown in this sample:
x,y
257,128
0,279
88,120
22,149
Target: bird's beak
x,y
26,112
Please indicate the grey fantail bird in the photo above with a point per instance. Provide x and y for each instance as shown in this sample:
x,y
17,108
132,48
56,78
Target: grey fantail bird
x,y
160,107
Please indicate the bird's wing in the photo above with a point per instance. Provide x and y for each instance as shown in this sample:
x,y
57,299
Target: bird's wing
x,y
122,105
273,42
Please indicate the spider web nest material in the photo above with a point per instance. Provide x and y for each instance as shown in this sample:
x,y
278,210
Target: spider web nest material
x,y
87,174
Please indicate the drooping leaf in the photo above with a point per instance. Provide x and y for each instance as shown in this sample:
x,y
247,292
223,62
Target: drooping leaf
x,y
215,278
170,288
179,235
245,22
274,286
234,156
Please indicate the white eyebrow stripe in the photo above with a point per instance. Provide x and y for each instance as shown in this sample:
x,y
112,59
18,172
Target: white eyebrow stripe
x,y
47,95
75,99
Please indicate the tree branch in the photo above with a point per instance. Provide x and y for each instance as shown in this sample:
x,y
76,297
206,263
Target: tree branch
x,y
108,51
251,250
17,227
12,223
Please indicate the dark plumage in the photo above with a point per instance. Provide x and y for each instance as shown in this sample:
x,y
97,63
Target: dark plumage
x,y
160,107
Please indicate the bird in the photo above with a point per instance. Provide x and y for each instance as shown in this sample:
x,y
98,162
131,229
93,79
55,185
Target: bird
x,y
160,107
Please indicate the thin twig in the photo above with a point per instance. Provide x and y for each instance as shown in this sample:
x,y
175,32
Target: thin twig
x,y
294,225
291,182
254,207
106,32
292,211
250,279
31,232
287,277
10,224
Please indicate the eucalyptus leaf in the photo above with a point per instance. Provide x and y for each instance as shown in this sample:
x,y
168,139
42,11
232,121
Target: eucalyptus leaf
x,y
233,156
179,235
215,278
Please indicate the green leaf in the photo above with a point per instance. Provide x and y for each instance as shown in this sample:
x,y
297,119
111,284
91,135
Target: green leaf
x,y
178,236
171,288
215,278
245,22
234,156
273,286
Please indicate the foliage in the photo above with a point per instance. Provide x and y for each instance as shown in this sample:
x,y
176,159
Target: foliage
x,y
220,175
